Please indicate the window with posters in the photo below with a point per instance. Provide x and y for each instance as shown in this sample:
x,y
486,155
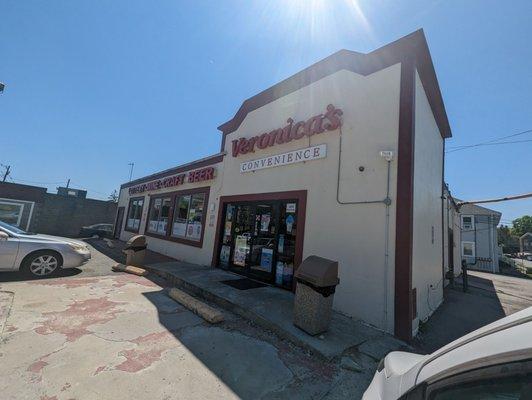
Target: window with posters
x,y
178,216
134,214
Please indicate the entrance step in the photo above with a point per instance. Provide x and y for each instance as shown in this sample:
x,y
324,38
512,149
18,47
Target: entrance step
x,y
271,308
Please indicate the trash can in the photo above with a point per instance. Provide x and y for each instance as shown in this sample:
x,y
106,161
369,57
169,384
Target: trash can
x,y
316,281
135,250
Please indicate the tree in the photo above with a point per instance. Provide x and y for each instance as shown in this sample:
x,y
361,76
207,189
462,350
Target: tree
x,y
510,243
522,225
113,196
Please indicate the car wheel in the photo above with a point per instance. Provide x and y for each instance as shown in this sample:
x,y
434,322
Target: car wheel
x,y
41,264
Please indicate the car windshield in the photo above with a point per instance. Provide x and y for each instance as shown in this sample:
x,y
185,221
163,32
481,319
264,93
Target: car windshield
x,y
13,229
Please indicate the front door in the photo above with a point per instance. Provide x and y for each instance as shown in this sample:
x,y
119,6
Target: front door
x,y
259,240
119,220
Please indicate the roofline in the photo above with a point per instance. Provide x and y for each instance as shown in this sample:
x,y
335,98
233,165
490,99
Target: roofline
x,y
202,162
413,46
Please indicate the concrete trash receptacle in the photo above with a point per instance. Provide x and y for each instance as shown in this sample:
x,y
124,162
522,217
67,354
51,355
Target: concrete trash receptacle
x,y
316,279
135,250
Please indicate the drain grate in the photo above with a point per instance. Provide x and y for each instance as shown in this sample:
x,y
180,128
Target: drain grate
x,y
243,284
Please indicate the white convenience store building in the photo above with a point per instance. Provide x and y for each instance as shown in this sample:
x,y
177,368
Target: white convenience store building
x,y
343,160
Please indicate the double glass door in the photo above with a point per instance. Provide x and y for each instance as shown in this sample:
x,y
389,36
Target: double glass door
x,y
258,240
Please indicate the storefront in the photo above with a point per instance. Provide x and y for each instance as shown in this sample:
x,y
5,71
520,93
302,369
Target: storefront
x,y
343,160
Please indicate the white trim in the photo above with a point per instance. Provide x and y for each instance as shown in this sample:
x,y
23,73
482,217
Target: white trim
x,y
473,247
472,227
29,216
23,203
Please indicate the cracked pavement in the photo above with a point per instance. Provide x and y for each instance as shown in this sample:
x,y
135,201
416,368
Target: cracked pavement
x,y
103,335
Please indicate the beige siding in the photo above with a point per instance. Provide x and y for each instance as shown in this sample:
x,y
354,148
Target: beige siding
x,y
352,234
427,236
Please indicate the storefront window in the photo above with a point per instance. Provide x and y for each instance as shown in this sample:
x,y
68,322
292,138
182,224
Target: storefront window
x,y
179,216
159,214
188,217
134,214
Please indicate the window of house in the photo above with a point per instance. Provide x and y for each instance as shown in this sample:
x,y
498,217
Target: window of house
x,y
179,216
11,213
468,222
468,249
134,214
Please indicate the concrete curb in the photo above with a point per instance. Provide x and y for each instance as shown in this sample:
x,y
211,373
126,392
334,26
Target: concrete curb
x,y
236,309
130,269
206,312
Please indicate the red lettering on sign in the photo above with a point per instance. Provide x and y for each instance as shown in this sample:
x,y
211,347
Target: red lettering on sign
x,y
329,121
198,175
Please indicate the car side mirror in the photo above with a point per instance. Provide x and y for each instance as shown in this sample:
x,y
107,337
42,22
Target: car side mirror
x,y
3,236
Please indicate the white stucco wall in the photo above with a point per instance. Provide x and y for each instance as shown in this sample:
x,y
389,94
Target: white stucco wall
x,y
427,258
352,234
198,255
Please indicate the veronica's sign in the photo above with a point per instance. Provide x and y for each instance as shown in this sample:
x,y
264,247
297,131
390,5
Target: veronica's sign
x,y
292,157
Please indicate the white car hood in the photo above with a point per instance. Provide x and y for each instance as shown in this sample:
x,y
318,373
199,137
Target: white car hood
x,y
54,239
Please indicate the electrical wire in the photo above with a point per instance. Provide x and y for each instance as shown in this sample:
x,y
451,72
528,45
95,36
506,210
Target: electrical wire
x,y
492,142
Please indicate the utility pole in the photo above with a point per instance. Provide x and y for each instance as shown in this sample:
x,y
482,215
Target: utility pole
x,y
8,169
131,170
68,183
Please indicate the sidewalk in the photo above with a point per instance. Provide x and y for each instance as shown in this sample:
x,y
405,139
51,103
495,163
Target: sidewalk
x,y
271,308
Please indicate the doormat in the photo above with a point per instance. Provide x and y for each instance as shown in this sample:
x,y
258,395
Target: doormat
x,y
243,284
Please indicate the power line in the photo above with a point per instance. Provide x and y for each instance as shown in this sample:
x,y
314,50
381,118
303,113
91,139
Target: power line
x,y
492,142
517,197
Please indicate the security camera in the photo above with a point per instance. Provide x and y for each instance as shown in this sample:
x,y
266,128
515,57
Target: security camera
x,y
387,155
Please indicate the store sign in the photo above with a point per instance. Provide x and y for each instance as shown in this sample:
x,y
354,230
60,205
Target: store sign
x,y
329,121
292,157
198,175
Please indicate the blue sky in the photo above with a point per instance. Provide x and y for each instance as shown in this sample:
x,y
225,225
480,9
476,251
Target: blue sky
x,y
94,85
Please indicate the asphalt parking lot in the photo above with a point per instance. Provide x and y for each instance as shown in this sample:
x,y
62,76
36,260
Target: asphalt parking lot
x,y
95,334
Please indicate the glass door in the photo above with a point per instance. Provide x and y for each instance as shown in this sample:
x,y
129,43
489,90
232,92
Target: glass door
x,y
258,239
263,241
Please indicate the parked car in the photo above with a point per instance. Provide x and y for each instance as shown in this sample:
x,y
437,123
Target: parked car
x,y
38,255
100,230
494,362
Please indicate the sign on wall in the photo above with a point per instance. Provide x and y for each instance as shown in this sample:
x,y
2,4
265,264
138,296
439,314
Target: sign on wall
x,y
291,157
198,175
328,121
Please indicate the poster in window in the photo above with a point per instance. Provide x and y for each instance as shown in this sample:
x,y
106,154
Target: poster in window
x,y
289,223
224,255
194,230
228,226
179,229
241,250
280,244
266,259
290,207
161,227
265,222
152,226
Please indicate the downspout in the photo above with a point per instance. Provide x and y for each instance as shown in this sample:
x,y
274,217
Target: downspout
x,y
387,202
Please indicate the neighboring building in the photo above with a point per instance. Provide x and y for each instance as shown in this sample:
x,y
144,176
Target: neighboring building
x,y
452,255
478,237
525,243
343,160
33,209
67,191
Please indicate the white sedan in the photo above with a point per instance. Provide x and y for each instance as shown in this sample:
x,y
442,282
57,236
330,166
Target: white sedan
x,y
494,362
38,255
